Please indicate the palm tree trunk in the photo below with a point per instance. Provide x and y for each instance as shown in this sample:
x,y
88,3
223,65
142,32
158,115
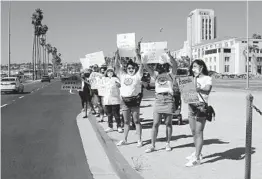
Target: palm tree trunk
x,y
39,56
33,57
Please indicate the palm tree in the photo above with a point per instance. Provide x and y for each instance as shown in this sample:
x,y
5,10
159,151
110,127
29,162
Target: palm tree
x,y
37,18
43,31
49,50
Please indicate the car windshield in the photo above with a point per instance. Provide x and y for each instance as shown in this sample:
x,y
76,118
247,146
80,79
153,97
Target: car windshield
x,y
8,79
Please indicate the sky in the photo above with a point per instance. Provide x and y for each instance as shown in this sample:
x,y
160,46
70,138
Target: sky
x,y
79,28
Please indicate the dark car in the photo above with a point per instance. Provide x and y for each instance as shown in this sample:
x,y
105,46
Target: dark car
x,y
147,81
46,78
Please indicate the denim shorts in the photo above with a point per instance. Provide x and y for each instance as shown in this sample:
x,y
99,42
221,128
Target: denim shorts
x,y
196,111
164,103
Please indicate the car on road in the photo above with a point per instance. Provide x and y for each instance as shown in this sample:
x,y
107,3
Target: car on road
x,y
12,84
45,78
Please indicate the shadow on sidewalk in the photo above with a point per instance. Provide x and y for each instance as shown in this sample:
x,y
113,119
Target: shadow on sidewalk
x,y
206,142
146,106
163,139
231,154
148,99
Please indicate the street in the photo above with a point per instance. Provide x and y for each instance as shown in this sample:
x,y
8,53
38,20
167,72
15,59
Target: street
x,y
40,138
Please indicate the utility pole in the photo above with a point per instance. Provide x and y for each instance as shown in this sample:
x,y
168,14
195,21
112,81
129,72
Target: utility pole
x,y
190,16
247,52
9,37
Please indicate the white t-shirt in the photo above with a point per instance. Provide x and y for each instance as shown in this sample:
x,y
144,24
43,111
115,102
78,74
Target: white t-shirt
x,y
130,85
112,95
164,83
202,82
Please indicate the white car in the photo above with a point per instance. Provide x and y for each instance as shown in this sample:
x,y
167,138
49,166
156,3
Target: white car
x,y
11,84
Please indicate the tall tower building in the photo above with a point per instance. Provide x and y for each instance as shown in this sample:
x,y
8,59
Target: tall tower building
x,y
201,26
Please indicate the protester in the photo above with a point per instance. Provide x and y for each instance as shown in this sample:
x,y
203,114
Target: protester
x,y
130,89
85,94
197,112
97,99
164,102
111,99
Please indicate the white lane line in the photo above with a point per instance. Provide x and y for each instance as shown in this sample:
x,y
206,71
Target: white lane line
x,y
37,89
3,105
13,100
32,91
21,97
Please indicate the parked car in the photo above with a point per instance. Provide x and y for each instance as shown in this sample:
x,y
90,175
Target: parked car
x,y
12,84
46,78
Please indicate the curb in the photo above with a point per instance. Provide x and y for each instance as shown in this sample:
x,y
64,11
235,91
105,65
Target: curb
x,y
119,164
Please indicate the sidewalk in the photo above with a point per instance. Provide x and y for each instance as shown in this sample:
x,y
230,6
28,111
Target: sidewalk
x,y
27,82
224,146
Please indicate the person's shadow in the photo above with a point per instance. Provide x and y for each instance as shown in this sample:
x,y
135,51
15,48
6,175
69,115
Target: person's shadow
x,y
231,154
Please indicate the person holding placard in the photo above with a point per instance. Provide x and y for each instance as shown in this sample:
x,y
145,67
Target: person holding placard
x,y
164,102
197,112
111,99
96,98
130,80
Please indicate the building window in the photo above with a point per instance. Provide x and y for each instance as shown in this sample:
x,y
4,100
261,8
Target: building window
x,y
226,44
215,68
207,52
255,42
226,68
227,50
259,59
215,59
244,42
249,59
226,59
210,59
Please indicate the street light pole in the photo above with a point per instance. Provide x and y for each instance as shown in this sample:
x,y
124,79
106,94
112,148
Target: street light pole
x,y
9,37
190,16
247,52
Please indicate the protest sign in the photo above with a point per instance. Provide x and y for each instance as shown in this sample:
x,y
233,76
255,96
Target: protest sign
x,y
96,58
188,89
73,83
155,52
94,79
85,63
126,44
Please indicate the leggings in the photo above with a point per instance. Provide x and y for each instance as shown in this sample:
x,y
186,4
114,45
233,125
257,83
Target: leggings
x,y
113,111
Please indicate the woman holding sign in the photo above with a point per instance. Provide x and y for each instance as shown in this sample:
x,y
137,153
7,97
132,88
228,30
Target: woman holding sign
x,y
111,99
197,113
130,90
164,103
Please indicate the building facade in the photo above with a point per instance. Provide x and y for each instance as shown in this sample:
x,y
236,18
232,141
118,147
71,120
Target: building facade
x,y
201,26
227,55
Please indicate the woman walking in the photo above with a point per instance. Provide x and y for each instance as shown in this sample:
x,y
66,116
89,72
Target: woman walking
x,y
111,99
130,89
197,113
164,102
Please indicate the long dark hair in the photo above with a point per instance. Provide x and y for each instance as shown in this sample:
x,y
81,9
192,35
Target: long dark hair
x,y
130,62
165,67
200,63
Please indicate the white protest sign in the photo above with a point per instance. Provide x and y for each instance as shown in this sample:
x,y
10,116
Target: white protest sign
x,y
96,58
102,87
188,89
95,80
126,43
85,63
155,51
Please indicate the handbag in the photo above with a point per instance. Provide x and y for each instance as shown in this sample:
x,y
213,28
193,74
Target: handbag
x,y
208,110
131,101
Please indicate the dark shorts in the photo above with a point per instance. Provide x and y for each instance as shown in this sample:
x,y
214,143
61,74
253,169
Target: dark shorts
x,y
164,103
196,111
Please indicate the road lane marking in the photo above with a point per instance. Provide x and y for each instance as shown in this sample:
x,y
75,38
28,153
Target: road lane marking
x,y
3,105
37,89
32,91
13,100
21,97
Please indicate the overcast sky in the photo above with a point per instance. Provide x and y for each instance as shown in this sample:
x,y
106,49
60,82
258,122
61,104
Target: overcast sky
x,y
79,28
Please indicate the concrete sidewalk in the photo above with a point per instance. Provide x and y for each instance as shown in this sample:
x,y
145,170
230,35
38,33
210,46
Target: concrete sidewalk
x,y
27,82
224,146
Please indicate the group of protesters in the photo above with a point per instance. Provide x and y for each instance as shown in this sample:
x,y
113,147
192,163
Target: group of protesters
x,y
124,94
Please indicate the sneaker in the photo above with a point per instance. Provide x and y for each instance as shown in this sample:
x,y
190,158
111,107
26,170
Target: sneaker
x,y
120,143
150,149
193,162
139,143
193,155
120,130
85,116
168,148
109,129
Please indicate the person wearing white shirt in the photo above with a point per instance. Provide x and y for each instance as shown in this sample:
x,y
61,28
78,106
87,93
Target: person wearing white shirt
x,y
130,90
165,75
197,113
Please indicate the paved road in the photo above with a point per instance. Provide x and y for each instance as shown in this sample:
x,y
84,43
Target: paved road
x,y
40,138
